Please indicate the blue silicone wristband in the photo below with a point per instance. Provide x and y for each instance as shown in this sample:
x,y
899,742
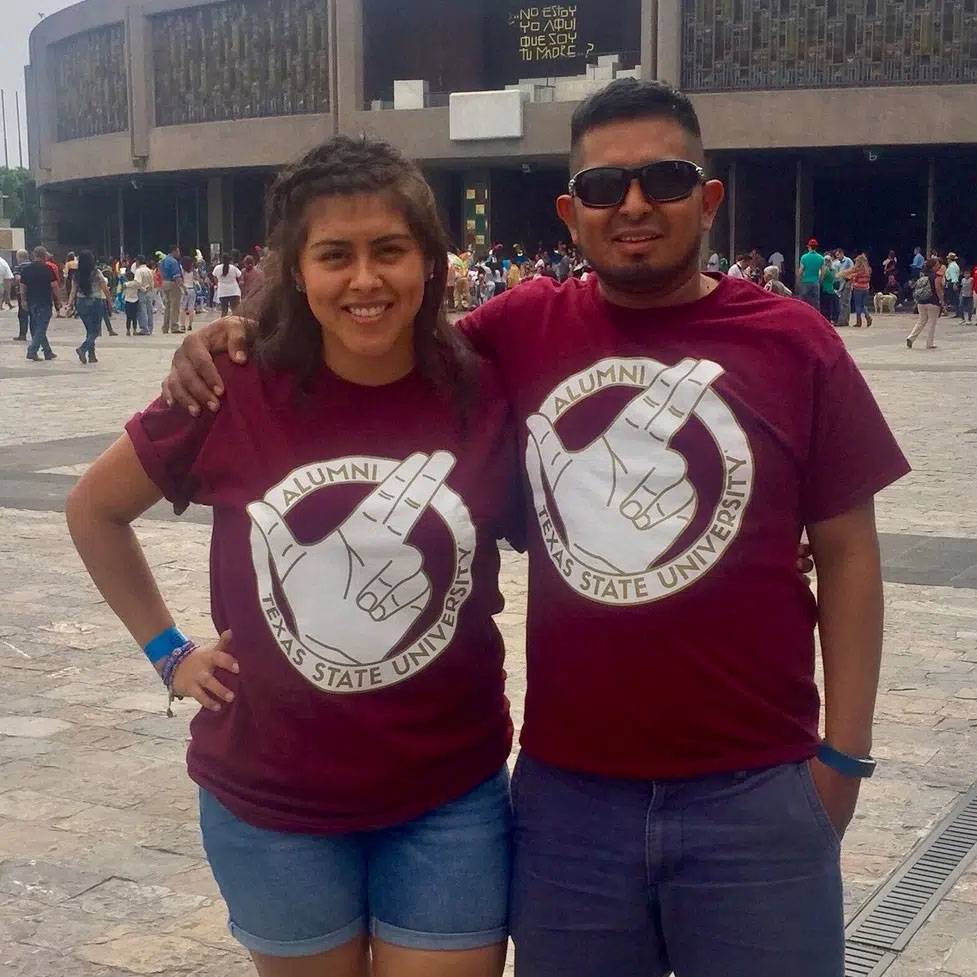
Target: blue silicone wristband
x,y
165,644
844,764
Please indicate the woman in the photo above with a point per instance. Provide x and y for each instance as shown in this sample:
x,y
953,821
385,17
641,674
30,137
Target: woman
x,y
351,748
227,278
889,265
70,268
188,302
89,293
928,295
860,275
772,282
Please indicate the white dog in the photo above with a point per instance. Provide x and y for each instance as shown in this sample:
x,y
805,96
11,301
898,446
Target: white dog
x,y
885,302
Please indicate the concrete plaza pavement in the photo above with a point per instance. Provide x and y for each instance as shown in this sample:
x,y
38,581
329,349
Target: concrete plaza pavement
x,y
101,871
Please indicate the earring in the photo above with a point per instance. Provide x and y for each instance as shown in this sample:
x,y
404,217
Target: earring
x,y
299,287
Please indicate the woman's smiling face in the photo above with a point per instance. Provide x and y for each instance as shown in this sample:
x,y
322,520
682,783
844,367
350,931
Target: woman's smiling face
x,y
363,273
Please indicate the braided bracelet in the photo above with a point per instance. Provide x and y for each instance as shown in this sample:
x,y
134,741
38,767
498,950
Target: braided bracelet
x,y
172,663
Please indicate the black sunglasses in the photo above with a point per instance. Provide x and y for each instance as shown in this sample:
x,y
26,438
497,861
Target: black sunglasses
x,y
661,182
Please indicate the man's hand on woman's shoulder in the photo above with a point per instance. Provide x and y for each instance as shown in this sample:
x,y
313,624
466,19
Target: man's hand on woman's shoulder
x,y
193,381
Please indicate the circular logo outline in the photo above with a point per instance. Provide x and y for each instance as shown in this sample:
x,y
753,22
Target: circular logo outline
x,y
648,587
365,470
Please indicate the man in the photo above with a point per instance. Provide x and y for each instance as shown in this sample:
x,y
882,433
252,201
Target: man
x,y
39,291
23,315
809,274
171,272
143,275
6,284
675,809
713,263
738,268
840,266
777,260
951,284
917,264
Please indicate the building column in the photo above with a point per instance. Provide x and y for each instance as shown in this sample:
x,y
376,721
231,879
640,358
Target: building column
x,y
216,223
731,202
649,37
348,55
717,168
48,219
803,210
120,208
668,42
476,210
139,71
930,204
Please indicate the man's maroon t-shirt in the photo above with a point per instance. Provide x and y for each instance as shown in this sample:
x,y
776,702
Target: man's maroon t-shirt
x,y
354,558
673,458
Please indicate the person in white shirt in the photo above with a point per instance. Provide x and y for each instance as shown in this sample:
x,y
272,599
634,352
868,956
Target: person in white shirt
x,y
713,263
227,275
6,284
777,260
147,286
738,268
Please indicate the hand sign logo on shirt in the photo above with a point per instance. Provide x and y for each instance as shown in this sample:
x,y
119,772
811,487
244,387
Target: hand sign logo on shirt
x,y
355,594
625,499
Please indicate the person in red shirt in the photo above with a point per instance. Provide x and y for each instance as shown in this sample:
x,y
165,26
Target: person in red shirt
x,y
675,806
351,746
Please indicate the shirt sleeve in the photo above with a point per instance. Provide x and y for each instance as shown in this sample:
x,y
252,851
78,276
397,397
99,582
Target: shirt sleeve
x,y
483,326
853,454
170,443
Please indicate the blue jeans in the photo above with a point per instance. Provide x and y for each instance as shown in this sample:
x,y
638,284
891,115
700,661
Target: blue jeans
x,y
859,303
146,312
734,874
40,319
439,882
810,294
90,310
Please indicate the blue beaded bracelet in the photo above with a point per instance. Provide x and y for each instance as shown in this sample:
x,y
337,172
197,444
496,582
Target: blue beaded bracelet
x,y
165,644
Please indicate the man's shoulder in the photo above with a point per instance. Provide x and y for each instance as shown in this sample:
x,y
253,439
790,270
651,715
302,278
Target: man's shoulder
x,y
785,318
519,310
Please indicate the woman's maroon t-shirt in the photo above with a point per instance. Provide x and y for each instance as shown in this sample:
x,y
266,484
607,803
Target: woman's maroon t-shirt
x,y
354,558
673,458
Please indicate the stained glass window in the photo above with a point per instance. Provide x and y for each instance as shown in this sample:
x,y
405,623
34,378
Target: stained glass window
x,y
769,44
241,60
89,78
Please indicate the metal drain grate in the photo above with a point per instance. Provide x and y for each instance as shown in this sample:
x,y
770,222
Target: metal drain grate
x,y
867,961
887,922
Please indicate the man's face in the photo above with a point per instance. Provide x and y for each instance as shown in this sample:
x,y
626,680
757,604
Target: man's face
x,y
641,246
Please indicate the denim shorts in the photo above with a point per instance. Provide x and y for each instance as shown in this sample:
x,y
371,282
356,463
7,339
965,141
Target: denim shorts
x,y
439,882
734,874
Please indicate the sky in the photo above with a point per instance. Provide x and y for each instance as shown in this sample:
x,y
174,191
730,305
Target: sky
x,y
19,20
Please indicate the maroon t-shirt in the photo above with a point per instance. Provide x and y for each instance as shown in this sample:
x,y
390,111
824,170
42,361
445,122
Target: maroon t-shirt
x,y
354,558
673,458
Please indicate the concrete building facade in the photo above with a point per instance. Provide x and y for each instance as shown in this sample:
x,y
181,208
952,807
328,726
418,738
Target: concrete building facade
x,y
154,121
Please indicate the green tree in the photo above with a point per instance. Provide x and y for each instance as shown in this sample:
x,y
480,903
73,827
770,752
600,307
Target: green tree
x,y
20,201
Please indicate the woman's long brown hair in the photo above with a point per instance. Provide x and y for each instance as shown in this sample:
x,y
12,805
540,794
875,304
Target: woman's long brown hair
x,y
287,335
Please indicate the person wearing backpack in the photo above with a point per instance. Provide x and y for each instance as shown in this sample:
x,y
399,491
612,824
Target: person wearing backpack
x,y
928,295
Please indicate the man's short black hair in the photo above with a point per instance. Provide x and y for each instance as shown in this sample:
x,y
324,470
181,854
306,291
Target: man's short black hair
x,y
630,98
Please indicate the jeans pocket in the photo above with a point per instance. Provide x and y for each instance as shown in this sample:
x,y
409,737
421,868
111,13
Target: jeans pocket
x,y
818,810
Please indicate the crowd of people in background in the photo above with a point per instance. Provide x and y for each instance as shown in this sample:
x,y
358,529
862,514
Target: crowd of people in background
x,y
474,279
841,286
173,286
176,287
